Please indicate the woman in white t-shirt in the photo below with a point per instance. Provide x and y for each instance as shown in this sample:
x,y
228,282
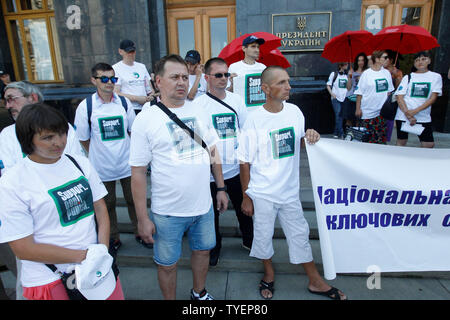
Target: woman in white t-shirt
x,y
415,95
375,85
51,206
337,87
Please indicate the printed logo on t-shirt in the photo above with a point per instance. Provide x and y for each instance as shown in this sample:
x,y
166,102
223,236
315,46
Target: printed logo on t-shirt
x,y
184,145
283,143
254,96
225,125
382,85
342,83
111,128
420,89
136,75
73,200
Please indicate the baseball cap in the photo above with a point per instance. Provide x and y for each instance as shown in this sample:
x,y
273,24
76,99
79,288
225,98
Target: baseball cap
x,y
102,290
192,56
127,45
251,39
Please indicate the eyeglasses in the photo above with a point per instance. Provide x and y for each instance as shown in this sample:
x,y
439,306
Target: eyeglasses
x,y
105,79
385,56
13,99
220,75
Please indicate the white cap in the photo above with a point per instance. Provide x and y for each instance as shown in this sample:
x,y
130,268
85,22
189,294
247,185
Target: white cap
x,y
102,289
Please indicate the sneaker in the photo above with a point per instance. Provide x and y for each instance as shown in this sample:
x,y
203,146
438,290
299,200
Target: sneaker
x,y
204,295
145,244
214,258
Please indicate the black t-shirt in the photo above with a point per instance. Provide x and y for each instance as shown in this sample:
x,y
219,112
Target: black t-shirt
x,y
2,87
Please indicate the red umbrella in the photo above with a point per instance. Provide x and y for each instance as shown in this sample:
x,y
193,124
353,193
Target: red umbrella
x,y
274,58
233,51
345,47
404,39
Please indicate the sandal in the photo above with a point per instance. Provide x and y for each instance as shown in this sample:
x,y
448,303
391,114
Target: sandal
x,y
333,293
266,286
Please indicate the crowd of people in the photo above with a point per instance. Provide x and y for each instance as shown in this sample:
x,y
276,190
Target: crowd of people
x,y
188,126
359,92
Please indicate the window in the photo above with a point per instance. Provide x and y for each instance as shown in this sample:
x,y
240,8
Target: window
x,y
30,26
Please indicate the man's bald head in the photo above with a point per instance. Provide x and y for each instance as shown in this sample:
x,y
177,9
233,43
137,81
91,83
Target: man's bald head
x,y
268,73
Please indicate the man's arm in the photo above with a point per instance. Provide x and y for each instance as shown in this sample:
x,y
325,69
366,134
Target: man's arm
x,y
247,203
139,99
146,228
216,170
198,76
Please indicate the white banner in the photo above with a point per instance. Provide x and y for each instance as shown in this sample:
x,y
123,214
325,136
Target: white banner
x,y
381,206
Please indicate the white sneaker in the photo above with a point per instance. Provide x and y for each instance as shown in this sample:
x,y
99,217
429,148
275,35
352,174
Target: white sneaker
x,y
204,295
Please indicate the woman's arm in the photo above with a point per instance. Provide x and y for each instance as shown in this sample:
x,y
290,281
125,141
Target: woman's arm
x,y
102,216
27,249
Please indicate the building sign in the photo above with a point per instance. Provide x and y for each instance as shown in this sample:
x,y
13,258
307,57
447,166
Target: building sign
x,y
308,31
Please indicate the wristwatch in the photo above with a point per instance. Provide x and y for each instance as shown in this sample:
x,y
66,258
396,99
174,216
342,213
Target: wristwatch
x,y
224,188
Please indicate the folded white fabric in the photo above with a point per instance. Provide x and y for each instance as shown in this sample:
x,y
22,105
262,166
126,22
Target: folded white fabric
x,y
94,268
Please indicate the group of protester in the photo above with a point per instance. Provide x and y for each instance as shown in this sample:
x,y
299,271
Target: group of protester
x,y
189,126
359,93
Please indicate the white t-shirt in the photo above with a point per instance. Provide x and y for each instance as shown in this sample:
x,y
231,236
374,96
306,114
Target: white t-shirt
x,y
373,86
180,167
109,147
339,86
133,80
225,122
11,152
248,82
52,202
202,85
270,143
419,90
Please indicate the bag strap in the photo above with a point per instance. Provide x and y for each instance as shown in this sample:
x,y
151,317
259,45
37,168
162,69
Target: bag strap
x,y
89,107
182,125
225,105
75,163
334,78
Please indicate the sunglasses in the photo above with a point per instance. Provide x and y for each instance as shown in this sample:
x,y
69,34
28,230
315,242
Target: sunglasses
x,y
105,79
220,75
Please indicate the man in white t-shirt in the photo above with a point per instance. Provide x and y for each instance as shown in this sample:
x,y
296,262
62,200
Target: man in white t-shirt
x,y
197,82
227,115
103,123
134,79
17,95
269,150
246,74
180,175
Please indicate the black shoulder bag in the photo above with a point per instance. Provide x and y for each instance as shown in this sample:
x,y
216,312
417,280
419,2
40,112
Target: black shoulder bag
x,y
389,108
182,125
225,105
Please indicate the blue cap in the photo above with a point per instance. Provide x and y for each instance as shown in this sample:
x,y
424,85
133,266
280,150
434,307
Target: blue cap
x,y
192,56
251,39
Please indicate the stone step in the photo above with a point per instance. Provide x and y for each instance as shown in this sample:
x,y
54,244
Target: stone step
x,y
234,258
229,226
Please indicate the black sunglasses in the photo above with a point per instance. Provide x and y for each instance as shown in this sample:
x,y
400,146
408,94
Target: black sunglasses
x,y
220,75
105,79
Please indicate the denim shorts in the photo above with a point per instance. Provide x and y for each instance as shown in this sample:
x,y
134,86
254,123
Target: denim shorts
x,y
170,231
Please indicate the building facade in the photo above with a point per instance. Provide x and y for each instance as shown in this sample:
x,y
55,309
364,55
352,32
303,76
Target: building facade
x,y
55,43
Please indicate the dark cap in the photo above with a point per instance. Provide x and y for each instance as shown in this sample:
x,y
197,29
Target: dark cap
x,y
127,45
192,56
251,39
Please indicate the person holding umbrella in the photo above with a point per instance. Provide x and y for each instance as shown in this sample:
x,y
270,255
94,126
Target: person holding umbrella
x,y
375,85
415,95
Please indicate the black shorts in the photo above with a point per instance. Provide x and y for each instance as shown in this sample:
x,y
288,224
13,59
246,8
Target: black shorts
x,y
426,136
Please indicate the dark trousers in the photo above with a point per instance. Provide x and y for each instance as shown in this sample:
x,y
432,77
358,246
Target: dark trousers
x,y
110,200
234,191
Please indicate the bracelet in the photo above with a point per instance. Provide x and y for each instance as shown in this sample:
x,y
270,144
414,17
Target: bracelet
x,y
224,188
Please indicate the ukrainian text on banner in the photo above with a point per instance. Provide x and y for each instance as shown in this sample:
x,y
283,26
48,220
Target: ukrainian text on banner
x,y
382,206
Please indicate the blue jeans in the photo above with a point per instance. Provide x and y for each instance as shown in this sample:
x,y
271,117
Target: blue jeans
x,y
337,108
169,235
